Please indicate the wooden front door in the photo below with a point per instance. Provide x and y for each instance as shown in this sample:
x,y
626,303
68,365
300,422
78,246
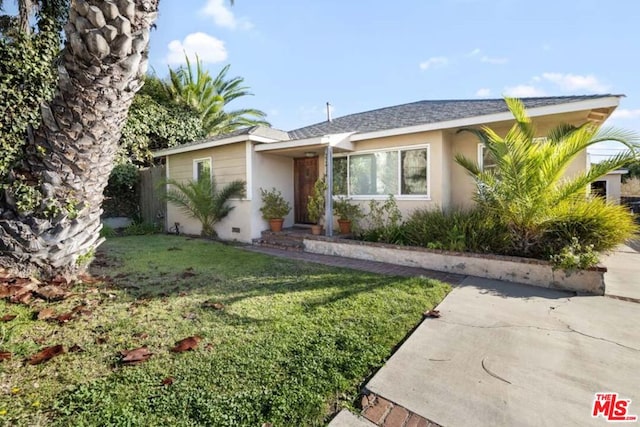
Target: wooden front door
x,y
305,174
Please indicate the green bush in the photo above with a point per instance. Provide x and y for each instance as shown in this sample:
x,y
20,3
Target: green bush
x,y
121,196
141,228
385,222
473,230
592,221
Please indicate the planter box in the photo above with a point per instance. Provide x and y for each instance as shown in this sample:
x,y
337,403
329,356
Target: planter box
x,y
512,269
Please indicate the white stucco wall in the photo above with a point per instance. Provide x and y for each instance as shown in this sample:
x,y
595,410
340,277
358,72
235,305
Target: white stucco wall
x,y
269,171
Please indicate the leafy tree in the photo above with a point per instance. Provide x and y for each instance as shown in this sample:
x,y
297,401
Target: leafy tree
x,y
202,200
208,96
57,155
156,122
528,190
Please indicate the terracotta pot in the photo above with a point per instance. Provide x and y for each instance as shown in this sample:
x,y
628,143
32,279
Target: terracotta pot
x,y
316,229
345,226
275,224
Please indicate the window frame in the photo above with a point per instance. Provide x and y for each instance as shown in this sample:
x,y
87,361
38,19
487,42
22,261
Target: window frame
x,y
481,148
201,160
398,195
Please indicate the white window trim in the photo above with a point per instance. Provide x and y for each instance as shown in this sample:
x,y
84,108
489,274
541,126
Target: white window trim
x,y
398,196
195,166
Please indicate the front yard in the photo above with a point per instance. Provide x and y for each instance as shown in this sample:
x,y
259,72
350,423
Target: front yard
x,y
277,341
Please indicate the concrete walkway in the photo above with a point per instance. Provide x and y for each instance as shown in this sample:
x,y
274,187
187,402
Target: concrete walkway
x,y
623,276
505,354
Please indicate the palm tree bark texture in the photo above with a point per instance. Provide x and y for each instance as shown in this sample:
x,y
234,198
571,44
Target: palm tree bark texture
x,y
70,156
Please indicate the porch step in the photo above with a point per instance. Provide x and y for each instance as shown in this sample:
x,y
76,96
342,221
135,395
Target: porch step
x,y
286,239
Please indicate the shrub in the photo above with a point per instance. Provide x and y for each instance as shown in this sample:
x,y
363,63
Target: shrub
x,y
591,221
575,256
141,229
473,230
274,206
121,196
385,222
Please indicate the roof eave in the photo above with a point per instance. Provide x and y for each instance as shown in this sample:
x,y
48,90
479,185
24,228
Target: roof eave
x,y
211,144
605,102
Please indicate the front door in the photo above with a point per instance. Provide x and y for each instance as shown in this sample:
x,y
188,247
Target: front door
x,y
305,175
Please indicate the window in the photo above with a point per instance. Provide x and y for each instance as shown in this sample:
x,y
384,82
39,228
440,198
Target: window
x,y
401,172
201,168
486,161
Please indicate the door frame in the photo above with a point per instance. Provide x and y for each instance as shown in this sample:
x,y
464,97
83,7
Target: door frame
x,y
311,164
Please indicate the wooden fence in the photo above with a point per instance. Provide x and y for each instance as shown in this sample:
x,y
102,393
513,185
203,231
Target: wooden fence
x,y
152,209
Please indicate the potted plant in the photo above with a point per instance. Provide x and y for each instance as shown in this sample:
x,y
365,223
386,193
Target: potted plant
x,y
316,205
274,208
347,214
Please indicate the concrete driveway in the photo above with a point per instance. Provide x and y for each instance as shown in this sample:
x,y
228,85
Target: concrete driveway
x,y
623,276
503,354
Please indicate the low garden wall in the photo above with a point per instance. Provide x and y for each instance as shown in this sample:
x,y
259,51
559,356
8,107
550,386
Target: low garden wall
x,y
513,269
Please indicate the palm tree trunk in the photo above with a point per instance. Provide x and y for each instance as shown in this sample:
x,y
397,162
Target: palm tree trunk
x,y
71,155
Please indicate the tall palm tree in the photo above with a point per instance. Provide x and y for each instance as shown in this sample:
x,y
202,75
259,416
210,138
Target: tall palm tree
x,y
202,200
69,157
528,185
209,96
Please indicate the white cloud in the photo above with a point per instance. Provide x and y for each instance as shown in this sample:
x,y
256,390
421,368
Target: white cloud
x,y
625,114
575,82
435,61
523,91
483,92
496,61
474,52
208,48
223,16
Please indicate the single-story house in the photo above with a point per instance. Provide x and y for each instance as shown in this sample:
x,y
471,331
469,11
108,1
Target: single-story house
x,y
406,150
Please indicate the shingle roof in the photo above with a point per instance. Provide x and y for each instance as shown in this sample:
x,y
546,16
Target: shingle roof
x,y
423,112
263,131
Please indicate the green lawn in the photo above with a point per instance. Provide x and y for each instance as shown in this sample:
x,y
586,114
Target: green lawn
x,y
293,344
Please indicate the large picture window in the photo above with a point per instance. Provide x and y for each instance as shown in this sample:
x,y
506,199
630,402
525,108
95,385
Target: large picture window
x,y
401,172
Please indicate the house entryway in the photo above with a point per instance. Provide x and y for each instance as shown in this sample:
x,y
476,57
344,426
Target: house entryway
x,y
305,175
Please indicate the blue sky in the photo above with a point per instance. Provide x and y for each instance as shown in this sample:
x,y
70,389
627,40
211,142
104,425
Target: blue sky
x,y
359,55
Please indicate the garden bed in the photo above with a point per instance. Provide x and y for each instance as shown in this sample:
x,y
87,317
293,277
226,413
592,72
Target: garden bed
x,y
513,269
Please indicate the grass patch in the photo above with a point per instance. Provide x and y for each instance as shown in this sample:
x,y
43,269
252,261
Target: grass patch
x,y
292,345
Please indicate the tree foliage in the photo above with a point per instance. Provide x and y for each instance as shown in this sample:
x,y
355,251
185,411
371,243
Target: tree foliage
x,y
27,80
529,192
156,122
196,89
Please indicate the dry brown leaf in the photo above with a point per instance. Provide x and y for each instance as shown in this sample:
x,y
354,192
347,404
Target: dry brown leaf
x,y
51,293
168,381
5,290
432,314
46,313
189,316
65,317
213,304
141,335
88,279
102,340
5,355
22,298
46,354
137,355
8,317
186,344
